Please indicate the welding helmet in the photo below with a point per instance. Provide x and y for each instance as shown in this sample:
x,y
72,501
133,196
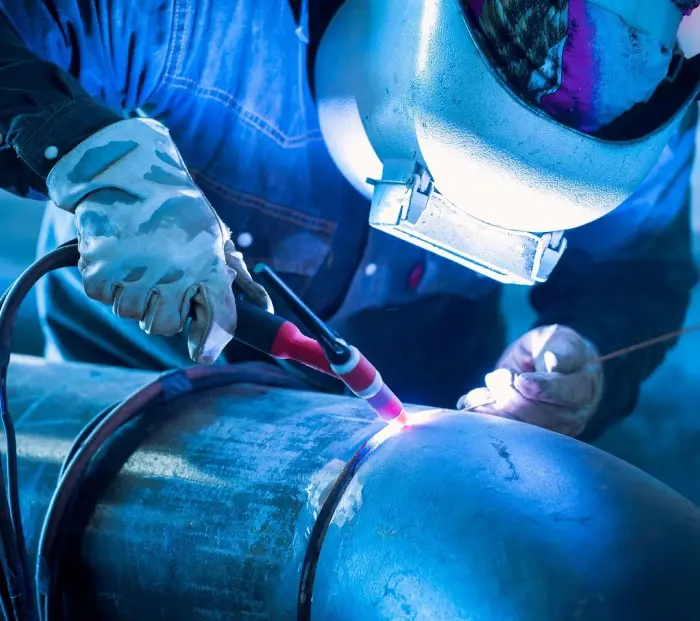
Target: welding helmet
x,y
417,118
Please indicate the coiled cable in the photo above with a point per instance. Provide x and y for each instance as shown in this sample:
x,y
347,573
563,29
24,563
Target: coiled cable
x,y
17,600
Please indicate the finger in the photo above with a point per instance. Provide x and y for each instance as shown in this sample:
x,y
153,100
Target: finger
x,y
243,280
130,302
548,416
82,265
574,390
499,383
97,285
167,311
213,325
564,351
509,402
474,399
253,292
481,401
536,339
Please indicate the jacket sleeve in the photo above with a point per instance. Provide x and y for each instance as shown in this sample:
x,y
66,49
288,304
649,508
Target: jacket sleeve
x,y
41,106
627,278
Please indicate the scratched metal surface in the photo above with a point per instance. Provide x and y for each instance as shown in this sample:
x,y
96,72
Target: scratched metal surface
x,y
460,517
478,518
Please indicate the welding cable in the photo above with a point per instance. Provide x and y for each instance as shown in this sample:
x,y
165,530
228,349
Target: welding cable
x,y
89,441
5,601
14,590
58,520
20,586
8,583
16,568
103,426
10,556
82,437
72,242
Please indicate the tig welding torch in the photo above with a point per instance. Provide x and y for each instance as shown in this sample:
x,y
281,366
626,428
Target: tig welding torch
x,y
325,352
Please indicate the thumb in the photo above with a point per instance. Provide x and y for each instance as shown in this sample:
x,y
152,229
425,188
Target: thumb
x,y
243,280
565,351
213,324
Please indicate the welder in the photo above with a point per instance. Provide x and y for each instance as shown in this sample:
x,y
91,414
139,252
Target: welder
x,y
177,136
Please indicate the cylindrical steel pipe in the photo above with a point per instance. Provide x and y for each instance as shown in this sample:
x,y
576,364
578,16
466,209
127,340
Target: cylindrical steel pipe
x,y
458,517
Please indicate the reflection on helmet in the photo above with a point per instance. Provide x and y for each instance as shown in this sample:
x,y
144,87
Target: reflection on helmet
x,y
461,146
578,61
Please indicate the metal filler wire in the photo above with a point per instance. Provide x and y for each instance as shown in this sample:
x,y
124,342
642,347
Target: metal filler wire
x,y
615,354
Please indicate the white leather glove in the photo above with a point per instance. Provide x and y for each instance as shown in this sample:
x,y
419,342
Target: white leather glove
x,y
151,245
543,378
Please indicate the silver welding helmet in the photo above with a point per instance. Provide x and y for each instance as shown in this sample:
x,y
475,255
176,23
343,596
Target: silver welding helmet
x,y
416,117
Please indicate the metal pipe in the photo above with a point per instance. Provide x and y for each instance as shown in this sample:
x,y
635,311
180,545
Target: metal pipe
x,y
458,516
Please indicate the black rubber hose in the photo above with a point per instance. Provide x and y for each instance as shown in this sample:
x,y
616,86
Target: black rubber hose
x,y
58,518
89,442
10,556
19,574
64,256
84,434
86,444
6,601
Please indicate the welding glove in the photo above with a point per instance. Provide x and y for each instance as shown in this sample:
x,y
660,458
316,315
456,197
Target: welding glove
x,y
545,379
150,243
